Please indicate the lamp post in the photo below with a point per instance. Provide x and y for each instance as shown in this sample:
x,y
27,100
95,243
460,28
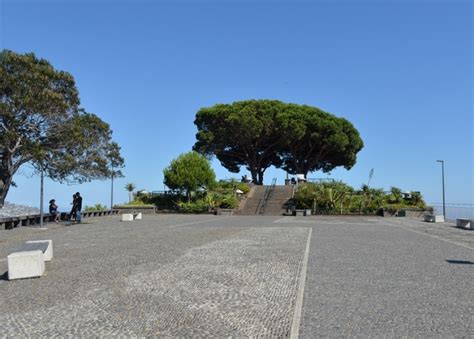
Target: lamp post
x,y
112,191
442,178
41,196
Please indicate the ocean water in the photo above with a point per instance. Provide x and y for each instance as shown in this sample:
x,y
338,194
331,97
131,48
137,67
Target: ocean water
x,y
455,211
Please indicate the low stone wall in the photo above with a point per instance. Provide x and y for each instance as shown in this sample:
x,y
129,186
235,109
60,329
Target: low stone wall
x,y
35,219
224,211
416,214
406,212
136,209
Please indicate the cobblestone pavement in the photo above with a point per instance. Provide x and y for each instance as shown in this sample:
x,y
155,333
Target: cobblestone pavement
x,y
375,277
215,276
164,275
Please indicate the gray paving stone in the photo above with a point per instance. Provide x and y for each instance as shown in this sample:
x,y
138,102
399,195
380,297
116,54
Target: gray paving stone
x,y
215,276
377,278
160,276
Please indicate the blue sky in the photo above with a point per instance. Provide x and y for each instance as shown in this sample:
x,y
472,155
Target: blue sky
x,y
400,71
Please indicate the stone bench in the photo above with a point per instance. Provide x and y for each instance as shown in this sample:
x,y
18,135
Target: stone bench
x,y
302,213
28,260
131,216
467,224
434,218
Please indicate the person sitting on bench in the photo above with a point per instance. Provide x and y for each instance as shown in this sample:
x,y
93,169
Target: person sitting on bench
x,y
53,210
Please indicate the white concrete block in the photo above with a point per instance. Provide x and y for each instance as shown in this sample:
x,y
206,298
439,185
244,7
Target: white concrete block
x,y
138,216
25,265
429,217
465,223
48,254
434,218
127,217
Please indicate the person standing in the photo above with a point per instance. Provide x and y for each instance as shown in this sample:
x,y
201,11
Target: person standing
x,y
78,204
73,209
53,210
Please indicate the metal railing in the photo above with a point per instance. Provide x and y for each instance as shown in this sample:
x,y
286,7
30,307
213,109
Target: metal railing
x,y
455,211
320,180
267,196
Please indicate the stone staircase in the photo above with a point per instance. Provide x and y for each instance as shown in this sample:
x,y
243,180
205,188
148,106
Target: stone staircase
x,y
276,205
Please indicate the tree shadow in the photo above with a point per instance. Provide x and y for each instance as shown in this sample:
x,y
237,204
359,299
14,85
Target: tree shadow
x,y
461,262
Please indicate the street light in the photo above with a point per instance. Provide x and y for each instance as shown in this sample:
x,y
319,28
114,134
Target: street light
x,y
442,178
112,191
41,195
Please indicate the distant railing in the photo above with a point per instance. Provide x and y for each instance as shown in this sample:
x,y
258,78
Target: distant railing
x,y
320,180
156,193
268,194
455,211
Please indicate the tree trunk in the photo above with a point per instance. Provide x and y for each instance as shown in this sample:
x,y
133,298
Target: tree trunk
x,y
130,196
5,183
253,172
260,178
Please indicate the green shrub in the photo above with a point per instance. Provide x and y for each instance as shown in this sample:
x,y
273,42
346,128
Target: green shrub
x,y
167,201
324,196
96,207
136,202
199,206
339,198
229,202
229,186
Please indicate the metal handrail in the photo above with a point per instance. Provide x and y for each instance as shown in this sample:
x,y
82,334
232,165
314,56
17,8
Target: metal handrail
x,y
268,194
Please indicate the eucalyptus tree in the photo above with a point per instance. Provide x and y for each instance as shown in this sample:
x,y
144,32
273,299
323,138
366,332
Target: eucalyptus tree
x,y
42,123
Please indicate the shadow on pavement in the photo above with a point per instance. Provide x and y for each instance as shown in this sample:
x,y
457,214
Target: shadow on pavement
x,y
462,262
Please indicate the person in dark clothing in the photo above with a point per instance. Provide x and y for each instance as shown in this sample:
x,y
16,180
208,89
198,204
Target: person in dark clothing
x,y
78,204
72,215
53,210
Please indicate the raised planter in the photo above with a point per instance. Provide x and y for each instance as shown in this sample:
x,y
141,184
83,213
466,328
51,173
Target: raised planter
x,y
136,209
224,211
404,212
302,213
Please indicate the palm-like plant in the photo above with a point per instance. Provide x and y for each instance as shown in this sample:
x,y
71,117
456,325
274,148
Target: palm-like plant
x,y
130,187
395,195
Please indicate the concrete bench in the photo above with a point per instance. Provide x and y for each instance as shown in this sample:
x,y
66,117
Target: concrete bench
x,y
28,260
302,213
131,217
467,224
434,218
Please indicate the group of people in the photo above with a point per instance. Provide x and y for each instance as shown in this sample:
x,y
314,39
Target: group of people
x,y
246,180
75,213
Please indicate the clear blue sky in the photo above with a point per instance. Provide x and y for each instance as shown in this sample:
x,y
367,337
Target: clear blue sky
x,y
400,71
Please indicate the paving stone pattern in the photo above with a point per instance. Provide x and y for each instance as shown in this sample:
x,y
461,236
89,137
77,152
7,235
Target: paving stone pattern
x,y
375,277
158,278
216,276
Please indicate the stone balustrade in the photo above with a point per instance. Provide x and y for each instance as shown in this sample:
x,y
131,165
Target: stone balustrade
x,y
35,219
